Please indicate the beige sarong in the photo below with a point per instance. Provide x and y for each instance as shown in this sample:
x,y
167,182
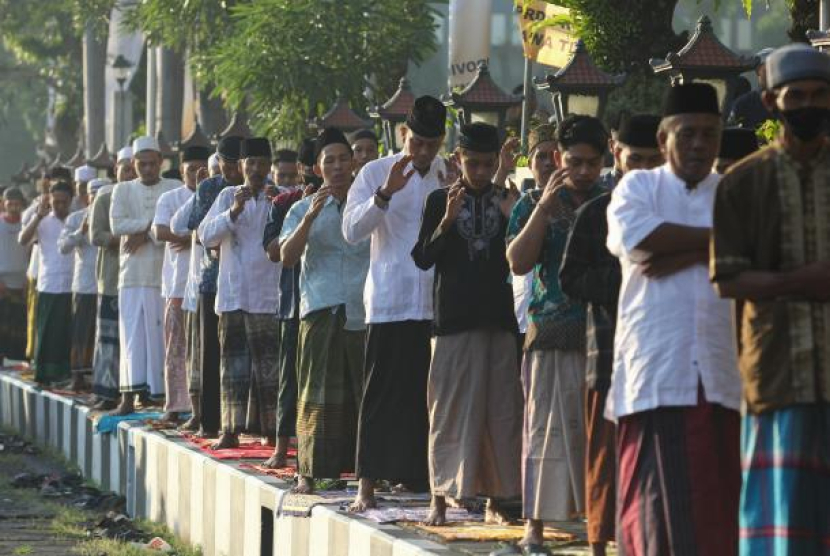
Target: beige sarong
x,y
553,464
475,410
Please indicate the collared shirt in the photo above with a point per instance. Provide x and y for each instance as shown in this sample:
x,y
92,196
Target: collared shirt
x,y
248,280
289,301
106,264
522,291
554,321
590,274
178,225
34,258
332,271
132,211
176,263
771,215
472,287
673,333
73,241
54,268
206,194
396,289
13,257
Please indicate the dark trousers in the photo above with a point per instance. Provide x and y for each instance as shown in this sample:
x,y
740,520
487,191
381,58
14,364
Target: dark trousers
x,y
287,402
209,343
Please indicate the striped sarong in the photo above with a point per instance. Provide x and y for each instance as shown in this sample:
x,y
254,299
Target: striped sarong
x,y
105,359
175,346
679,481
785,502
83,331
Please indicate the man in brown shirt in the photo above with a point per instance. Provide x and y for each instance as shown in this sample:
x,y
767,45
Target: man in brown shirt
x,y
771,249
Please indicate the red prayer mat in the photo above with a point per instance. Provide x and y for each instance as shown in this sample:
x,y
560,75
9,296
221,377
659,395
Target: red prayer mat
x,y
247,449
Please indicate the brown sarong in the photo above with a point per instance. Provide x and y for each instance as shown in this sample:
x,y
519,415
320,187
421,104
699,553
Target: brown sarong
x,y
600,469
84,307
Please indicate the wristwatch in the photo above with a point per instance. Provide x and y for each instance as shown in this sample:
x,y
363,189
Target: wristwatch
x,y
382,196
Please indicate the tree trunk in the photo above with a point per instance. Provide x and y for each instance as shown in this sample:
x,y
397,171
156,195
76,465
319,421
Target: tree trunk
x,y
804,15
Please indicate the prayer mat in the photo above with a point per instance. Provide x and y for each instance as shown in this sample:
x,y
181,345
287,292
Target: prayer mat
x,y
300,505
287,474
109,423
477,531
395,514
247,449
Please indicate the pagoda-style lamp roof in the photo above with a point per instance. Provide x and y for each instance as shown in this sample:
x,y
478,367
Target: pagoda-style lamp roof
x,y
483,94
236,128
397,108
197,138
820,39
78,159
102,159
164,146
341,117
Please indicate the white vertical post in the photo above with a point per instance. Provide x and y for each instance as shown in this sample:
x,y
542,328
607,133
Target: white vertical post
x,y
150,116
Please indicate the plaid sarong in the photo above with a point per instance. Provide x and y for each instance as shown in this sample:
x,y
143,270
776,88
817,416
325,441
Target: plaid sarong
x,y
785,502
105,360
53,345
12,334
83,330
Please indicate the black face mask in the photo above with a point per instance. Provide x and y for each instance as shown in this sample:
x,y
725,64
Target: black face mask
x,y
808,122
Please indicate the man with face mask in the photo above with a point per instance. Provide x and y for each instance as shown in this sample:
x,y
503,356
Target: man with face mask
x,y
770,249
590,274
141,307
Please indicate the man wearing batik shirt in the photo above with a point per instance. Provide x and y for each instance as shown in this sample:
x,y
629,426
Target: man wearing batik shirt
x,y
591,275
675,389
246,299
54,285
74,240
554,381
106,356
174,274
206,193
385,205
770,250
14,258
475,429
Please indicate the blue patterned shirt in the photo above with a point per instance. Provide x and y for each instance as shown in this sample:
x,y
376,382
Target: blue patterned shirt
x,y
206,194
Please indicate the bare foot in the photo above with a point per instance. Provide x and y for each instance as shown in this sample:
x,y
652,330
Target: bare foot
x,y
276,461
206,434
191,425
598,549
400,488
365,498
438,516
268,441
104,405
494,514
227,440
305,486
170,417
125,407
534,533
78,383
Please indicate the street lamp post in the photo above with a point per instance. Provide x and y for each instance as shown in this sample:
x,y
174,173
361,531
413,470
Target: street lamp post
x,y
705,59
580,87
121,68
482,101
392,115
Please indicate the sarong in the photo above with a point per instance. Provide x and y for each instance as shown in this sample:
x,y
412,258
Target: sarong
x,y
12,331
785,502
679,481
287,402
553,451
249,368
106,359
142,341
474,398
83,331
600,469
175,373
394,423
31,318
193,356
53,346
329,378
209,357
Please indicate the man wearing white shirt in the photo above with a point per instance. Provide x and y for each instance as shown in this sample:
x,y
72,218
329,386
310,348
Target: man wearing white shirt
x,y
246,299
173,280
141,257
675,390
385,205
54,285
13,261
74,240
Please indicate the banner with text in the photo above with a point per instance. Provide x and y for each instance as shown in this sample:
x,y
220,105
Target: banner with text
x,y
469,39
551,45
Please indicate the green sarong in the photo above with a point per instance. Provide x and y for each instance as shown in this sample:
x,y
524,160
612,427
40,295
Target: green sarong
x,y
54,335
330,384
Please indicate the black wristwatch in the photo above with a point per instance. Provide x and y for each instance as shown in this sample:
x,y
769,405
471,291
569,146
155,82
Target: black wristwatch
x,y
383,197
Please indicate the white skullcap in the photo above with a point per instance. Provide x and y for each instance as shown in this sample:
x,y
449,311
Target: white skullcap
x,y
146,143
213,161
124,154
85,173
97,184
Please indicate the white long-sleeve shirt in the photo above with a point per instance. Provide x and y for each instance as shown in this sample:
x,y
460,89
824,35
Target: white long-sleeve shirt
x,y
54,268
396,290
176,263
673,333
248,280
73,241
132,210
178,225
